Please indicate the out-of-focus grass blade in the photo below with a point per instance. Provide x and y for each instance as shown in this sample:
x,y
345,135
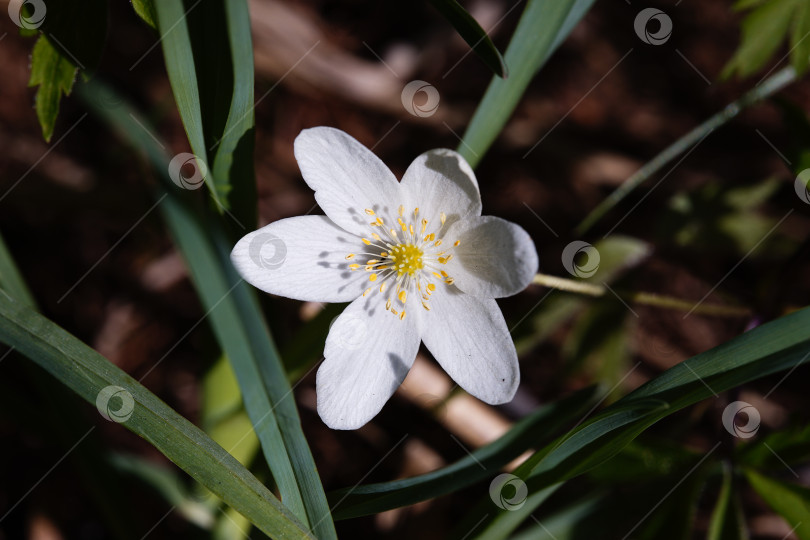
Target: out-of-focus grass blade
x,y
542,27
791,501
146,11
238,323
769,453
776,346
10,278
532,431
469,29
87,373
727,522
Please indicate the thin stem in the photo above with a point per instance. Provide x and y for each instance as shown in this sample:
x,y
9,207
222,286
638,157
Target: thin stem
x,y
771,85
644,298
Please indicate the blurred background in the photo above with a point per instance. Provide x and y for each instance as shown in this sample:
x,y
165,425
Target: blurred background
x,y
724,223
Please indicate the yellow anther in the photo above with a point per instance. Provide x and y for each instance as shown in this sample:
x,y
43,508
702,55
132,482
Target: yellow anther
x,y
415,211
388,304
366,292
402,225
424,305
402,315
438,275
366,242
424,226
372,277
382,287
354,266
442,260
456,243
401,210
403,295
411,229
394,311
372,261
444,274
380,222
376,237
431,287
449,257
350,256
444,218
449,281
394,234
384,254
369,211
438,242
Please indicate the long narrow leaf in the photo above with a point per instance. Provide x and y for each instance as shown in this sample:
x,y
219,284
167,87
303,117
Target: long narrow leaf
x,y
87,373
542,27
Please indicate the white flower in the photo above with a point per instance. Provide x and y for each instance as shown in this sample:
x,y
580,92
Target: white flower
x,y
416,260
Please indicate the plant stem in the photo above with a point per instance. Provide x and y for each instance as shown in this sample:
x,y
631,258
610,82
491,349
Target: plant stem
x,y
648,299
771,85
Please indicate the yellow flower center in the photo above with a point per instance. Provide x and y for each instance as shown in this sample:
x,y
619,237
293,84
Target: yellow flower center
x,y
406,259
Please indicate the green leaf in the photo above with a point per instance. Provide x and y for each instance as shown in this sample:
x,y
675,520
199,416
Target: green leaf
x,y
87,373
800,39
542,27
536,429
469,29
775,346
238,323
790,501
772,451
54,75
727,522
209,59
10,279
145,9
764,29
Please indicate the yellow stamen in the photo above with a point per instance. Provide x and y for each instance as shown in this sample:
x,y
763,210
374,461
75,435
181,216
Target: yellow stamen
x,y
350,256
369,211
354,266
366,292
444,218
401,210
456,243
366,242
438,242
372,277
403,295
402,315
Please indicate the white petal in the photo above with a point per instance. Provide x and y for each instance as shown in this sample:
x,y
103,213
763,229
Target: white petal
x,y
368,353
468,337
346,176
495,258
301,257
439,181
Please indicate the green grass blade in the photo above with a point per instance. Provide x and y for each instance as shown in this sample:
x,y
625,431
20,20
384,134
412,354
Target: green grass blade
x,y
86,372
532,431
238,323
542,27
233,158
469,29
791,501
727,522
779,345
10,278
